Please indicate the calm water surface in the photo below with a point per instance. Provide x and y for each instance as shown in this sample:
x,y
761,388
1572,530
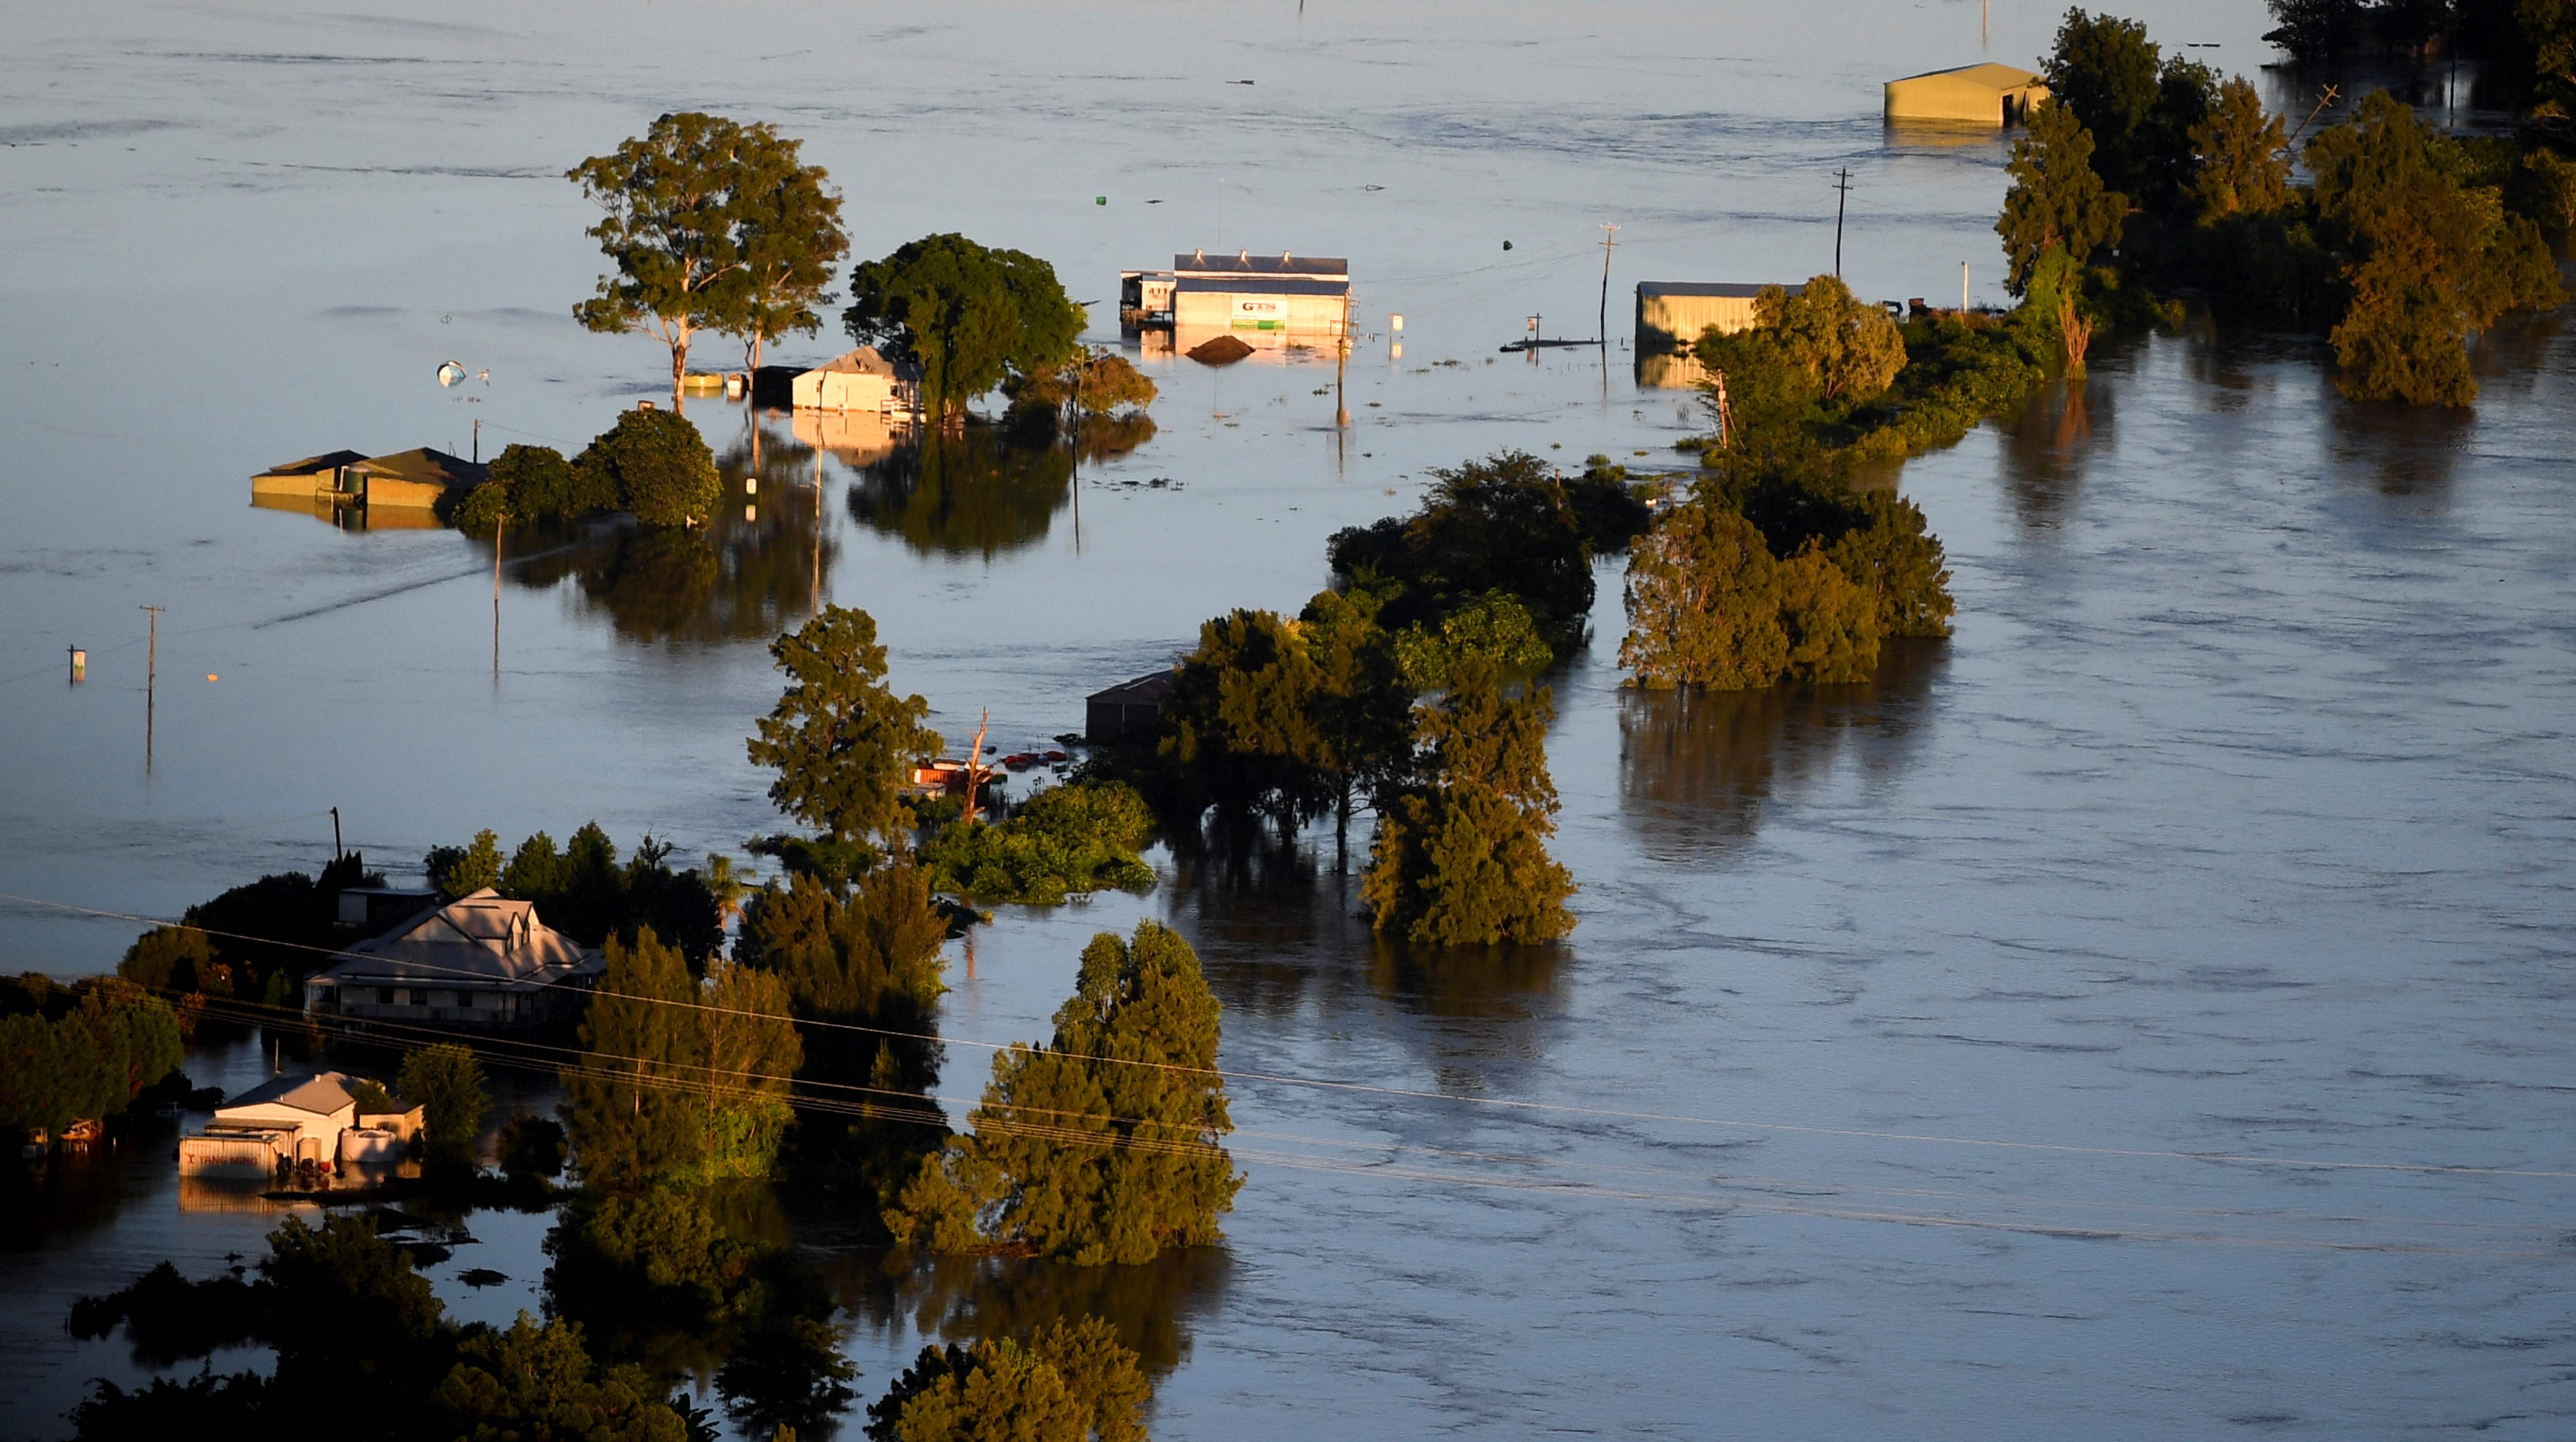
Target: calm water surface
x,y
2235,822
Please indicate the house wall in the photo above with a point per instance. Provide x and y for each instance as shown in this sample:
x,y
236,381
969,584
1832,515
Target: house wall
x,y
452,1006
251,1155
1256,310
1674,322
1952,99
391,493
307,1125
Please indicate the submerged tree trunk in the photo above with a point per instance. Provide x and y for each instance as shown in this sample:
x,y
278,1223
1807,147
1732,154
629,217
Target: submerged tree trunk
x,y
679,374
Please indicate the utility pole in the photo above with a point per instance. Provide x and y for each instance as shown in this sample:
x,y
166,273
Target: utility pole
x,y
1342,363
151,682
1609,238
1963,289
335,833
500,538
1842,193
478,440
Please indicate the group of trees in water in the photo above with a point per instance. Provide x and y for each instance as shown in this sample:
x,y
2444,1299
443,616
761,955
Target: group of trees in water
x,y
652,465
81,1053
2147,172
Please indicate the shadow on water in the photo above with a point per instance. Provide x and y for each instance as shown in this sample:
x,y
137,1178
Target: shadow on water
x,y
1699,769
757,569
2049,444
1155,1306
970,494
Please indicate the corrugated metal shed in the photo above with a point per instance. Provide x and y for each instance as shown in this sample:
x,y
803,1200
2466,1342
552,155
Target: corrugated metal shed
x,y
1672,314
1988,94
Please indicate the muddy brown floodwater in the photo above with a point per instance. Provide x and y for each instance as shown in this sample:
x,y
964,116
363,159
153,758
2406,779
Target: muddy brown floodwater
x,y
2144,1015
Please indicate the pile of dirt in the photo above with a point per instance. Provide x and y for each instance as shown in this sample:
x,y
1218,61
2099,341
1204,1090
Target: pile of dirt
x,y
1223,350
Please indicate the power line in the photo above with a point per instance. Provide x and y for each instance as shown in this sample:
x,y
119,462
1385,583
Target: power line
x,y
1502,1103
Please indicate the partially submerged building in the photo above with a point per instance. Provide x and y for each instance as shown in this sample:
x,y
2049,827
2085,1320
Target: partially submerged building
x,y
483,961
1673,314
289,1121
863,381
1989,95
413,480
1244,291
1128,711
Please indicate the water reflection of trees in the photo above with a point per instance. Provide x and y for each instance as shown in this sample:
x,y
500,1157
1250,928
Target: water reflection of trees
x,y
1154,1306
757,569
970,494
2048,444
1278,930
1699,769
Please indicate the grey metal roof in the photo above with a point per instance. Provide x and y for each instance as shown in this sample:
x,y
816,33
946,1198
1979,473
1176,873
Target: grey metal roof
x,y
1260,285
1246,262
320,1093
1143,689
483,940
1735,289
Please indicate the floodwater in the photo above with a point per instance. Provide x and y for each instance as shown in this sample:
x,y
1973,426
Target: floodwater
x,y
2140,1016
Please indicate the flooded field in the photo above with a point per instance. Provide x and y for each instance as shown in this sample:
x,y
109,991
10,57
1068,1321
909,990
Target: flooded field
x,y
2142,1015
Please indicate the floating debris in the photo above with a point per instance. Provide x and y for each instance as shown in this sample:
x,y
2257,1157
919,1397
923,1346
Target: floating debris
x,y
1219,351
481,1277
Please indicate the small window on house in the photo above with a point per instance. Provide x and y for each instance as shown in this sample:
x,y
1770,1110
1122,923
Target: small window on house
x,y
388,996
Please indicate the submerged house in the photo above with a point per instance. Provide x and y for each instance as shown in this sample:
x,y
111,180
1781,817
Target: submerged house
x,y
862,380
1989,95
1672,314
273,1126
406,480
483,961
305,479
1128,711
1244,291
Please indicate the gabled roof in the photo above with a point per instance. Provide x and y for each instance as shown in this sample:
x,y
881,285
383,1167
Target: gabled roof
x,y
1143,689
482,939
425,464
322,464
1989,74
866,360
320,1093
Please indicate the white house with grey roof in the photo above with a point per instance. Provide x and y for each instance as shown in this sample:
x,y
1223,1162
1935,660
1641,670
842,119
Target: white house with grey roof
x,y
482,961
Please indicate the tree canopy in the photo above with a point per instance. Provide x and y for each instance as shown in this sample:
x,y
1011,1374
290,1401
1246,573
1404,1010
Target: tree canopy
x,y
840,740
1105,1146
1460,859
969,316
446,1082
2057,200
712,225
90,1062
1068,1382
1064,841
656,466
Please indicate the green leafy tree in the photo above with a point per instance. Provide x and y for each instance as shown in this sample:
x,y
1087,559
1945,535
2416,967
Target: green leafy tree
x,y
1703,602
787,230
1241,717
1360,713
1505,523
2105,72
1097,381
1070,1380
1064,841
969,316
2427,260
372,1098
2314,29
536,1383
657,466
1105,1147
1462,859
90,1062
840,740
2244,156
680,1082
671,228
460,871
2056,199
1893,555
167,959
1831,622
446,1081
1849,349
2545,31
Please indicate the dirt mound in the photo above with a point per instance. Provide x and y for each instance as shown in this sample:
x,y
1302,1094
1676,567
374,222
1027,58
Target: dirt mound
x,y
1223,350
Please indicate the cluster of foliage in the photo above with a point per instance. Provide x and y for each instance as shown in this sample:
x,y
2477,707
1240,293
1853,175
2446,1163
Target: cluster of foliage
x,y
652,465
1773,573
357,1333
1069,1380
861,956
2527,45
840,740
446,1082
1064,841
714,226
255,942
1104,1147
1288,718
1461,857
1509,525
680,1080
584,892
970,317
81,1053
2405,244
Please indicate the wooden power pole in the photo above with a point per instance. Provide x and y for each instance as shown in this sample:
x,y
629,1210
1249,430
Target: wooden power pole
x,y
151,681
1609,239
1842,194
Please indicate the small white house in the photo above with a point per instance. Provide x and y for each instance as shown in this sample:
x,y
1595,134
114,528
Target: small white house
x,y
861,380
276,1124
